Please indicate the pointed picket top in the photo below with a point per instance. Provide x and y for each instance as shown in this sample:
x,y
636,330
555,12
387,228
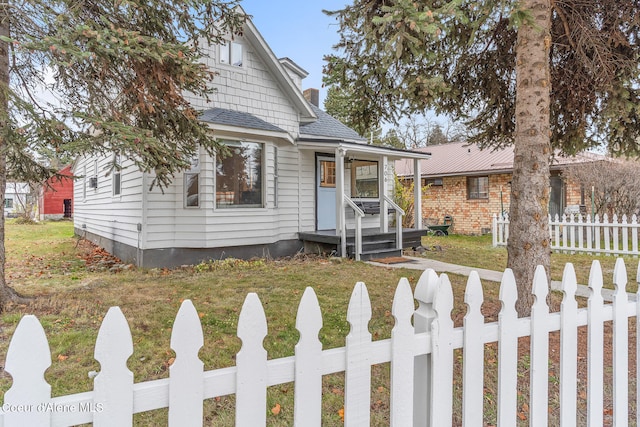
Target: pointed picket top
x,y
569,283
508,291
624,219
252,322
634,219
605,219
443,301
596,219
588,218
186,386
615,219
595,279
403,305
113,386
114,344
28,357
620,277
557,218
540,284
308,365
359,310
309,317
186,334
473,295
427,286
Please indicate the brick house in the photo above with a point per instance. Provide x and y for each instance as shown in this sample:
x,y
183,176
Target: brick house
x,y
56,196
471,185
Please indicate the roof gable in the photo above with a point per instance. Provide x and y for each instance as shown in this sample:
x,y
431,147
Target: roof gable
x,y
328,127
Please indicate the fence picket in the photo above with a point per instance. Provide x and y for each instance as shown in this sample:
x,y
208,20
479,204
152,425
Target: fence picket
x,y
557,231
637,312
539,374
581,244
113,386
473,348
596,230
186,385
568,347
589,234
401,399
442,354
358,362
607,229
308,367
595,314
634,234
507,350
625,234
425,293
565,232
28,357
620,346
572,231
251,362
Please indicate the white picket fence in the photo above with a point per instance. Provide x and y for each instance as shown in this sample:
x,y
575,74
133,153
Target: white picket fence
x,y
420,352
573,233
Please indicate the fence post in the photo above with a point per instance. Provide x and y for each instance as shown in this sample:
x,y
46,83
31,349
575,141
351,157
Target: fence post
x,y
494,230
186,385
595,375
620,346
442,355
307,409
507,350
357,376
402,334
251,362
568,347
113,386
422,318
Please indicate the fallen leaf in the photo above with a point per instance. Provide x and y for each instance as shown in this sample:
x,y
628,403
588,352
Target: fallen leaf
x,y
276,409
341,413
522,416
62,357
525,407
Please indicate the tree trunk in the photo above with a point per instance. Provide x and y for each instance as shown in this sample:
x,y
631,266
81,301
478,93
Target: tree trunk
x,y
528,244
6,293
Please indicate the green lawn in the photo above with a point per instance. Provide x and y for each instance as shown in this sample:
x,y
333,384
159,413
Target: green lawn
x,y
70,293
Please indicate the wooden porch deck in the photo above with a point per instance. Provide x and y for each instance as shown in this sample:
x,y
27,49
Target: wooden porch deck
x,y
375,244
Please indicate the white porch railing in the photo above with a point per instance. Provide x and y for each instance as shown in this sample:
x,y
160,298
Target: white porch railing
x,y
420,352
572,233
359,214
399,214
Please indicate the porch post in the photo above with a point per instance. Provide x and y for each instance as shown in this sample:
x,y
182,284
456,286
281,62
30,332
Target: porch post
x,y
383,190
340,216
417,195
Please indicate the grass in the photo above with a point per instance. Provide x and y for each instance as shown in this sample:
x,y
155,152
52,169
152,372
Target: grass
x,y
71,293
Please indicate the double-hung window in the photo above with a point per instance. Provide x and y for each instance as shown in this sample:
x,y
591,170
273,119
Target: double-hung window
x,y
239,175
477,187
192,184
231,53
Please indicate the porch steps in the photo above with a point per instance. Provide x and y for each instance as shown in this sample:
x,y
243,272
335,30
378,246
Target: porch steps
x,y
374,247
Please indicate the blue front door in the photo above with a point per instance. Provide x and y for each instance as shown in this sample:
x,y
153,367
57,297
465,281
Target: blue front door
x,y
326,193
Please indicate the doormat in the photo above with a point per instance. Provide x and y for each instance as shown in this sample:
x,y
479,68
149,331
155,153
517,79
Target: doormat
x,y
392,260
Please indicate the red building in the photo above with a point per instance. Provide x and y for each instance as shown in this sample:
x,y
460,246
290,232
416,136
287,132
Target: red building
x,y
56,196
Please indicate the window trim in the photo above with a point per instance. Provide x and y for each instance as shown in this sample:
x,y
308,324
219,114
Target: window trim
x,y
117,177
477,194
327,170
263,178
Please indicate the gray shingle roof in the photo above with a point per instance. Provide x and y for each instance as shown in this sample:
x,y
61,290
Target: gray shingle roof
x,y
223,116
328,127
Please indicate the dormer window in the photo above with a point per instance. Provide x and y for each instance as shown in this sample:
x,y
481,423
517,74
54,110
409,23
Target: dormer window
x,y
231,53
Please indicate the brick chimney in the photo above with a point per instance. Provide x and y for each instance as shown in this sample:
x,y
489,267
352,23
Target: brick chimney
x,y
313,96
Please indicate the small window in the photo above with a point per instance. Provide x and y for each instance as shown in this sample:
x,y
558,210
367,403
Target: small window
x,y
327,173
8,203
117,176
239,176
364,179
433,182
478,187
231,53
192,184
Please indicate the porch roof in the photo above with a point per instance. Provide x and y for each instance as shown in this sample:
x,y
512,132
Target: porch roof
x,y
359,148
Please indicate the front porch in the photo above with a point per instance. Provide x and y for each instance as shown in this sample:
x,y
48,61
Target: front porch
x,y
375,244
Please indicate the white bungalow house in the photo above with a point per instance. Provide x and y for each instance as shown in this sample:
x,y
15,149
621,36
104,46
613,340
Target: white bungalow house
x,y
296,178
16,196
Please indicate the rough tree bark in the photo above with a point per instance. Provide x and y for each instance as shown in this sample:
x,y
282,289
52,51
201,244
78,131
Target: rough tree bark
x,y
528,244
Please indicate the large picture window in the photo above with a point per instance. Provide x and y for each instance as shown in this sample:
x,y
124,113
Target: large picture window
x,y
364,179
478,187
239,176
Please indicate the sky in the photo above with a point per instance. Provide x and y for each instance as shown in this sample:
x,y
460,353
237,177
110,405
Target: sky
x,y
298,30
